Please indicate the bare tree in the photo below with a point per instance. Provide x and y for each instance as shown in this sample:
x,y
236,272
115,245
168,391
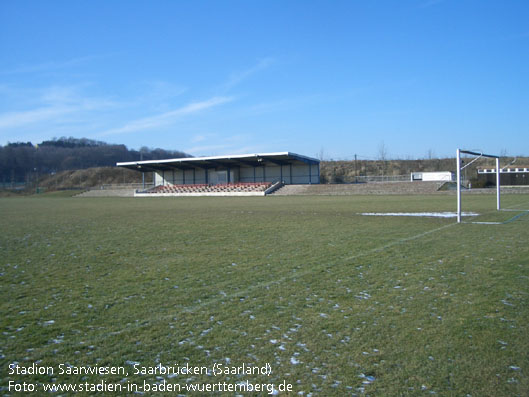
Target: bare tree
x,y
430,155
382,152
383,156
321,154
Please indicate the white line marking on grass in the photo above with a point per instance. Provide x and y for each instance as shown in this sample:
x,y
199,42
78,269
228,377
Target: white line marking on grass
x,y
521,213
517,205
192,308
307,271
400,241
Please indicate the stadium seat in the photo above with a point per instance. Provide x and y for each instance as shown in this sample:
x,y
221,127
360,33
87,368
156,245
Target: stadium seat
x,y
206,188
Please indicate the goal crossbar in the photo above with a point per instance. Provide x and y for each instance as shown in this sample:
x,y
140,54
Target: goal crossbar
x,y
458,155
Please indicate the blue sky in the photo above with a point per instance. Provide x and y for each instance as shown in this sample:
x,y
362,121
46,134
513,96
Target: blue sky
x,y
336,78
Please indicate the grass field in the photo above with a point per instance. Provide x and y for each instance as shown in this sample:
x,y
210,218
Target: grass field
x,y
337,303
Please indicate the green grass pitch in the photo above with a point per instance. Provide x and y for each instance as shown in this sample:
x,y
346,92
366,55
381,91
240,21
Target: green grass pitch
x,y
335,302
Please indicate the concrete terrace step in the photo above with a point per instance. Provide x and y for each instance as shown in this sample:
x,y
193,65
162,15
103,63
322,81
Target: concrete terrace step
x,y
107,193
360,188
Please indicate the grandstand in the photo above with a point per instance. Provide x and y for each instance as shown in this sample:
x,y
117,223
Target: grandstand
x,y
510,175
241,175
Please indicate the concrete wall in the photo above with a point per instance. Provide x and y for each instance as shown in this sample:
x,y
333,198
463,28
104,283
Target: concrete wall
x,y
289,174
286,173
506,179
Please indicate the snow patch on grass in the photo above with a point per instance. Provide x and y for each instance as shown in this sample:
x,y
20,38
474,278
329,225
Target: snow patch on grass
x,y
420,214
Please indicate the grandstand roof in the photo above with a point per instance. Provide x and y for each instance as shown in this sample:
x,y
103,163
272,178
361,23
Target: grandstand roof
x,y
249,160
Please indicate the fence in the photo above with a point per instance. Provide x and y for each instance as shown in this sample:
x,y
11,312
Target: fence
x,y
117,186
382,178
13,185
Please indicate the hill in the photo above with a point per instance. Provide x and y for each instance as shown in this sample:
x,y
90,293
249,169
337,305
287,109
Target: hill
x,y
92,177
24,162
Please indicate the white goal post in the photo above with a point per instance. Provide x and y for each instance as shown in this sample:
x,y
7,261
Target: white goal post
x,y
459,168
